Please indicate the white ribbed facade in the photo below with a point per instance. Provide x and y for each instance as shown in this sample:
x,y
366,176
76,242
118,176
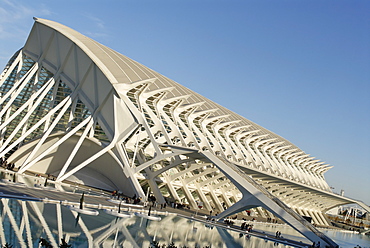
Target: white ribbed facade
x,y
80,111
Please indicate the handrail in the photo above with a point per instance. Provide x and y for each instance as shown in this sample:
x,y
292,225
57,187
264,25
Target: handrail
x,y
278,201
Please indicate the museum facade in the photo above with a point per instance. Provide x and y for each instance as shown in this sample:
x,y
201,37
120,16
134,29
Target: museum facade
x,y
82,112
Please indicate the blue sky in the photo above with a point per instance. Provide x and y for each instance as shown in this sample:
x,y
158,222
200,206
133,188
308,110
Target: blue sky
x,y
298,68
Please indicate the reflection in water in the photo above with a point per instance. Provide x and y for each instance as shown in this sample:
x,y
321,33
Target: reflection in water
x,y
23,223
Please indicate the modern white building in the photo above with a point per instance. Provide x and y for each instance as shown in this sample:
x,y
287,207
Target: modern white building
x,y
80,111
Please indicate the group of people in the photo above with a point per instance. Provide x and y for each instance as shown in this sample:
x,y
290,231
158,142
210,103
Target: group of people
x,y
6,165
229,222
46,244
247,227
152,201
179,205
120,196
163,205
271,220
278,234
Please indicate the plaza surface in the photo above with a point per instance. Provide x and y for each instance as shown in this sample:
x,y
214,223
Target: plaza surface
x,y
99,199
31,188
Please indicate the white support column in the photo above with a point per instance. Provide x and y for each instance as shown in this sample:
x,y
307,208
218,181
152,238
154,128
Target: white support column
x,y
13,222
320,214
310,214
172,190
203,197
318,218
261,197
59,220
11,68
21,124
56,144
46,134
31,104
86,162
269,214
16,89
215,199
2,234
261,212
129,173
27,223
154,187
76,148
90,239
188,195
299,211
225,197
32,129
305,213
44,224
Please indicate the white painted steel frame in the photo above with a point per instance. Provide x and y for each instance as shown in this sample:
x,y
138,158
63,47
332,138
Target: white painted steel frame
x,y
139,110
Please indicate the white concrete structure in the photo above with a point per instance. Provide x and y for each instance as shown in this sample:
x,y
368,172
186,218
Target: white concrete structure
x,y
22,222
78,110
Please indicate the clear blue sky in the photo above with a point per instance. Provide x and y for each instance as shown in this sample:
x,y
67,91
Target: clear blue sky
x,y
298,68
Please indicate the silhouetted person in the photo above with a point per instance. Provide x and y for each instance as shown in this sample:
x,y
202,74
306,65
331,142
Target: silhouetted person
x,y
45,243
64,244
82,200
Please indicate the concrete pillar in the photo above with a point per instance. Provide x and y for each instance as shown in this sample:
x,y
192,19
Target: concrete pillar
x,y
323,218
172,190
157,193
319,217
203,198
308,213
189,196
234,196
299,211
305,213
261,212
226,199
215,199
269,214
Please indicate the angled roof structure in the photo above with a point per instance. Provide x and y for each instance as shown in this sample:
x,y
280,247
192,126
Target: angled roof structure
x,y
80,111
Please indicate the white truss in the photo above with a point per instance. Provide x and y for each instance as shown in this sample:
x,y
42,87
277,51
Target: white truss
x,y
78,110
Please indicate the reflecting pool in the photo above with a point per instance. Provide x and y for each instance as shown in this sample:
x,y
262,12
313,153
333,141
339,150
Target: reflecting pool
x,y
23,223
344,239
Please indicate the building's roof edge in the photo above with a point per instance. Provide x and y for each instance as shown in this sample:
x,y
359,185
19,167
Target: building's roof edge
x,y
81,41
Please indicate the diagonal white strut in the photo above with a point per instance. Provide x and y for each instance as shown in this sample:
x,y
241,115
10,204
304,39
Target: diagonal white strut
x,y
255,195
76,148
